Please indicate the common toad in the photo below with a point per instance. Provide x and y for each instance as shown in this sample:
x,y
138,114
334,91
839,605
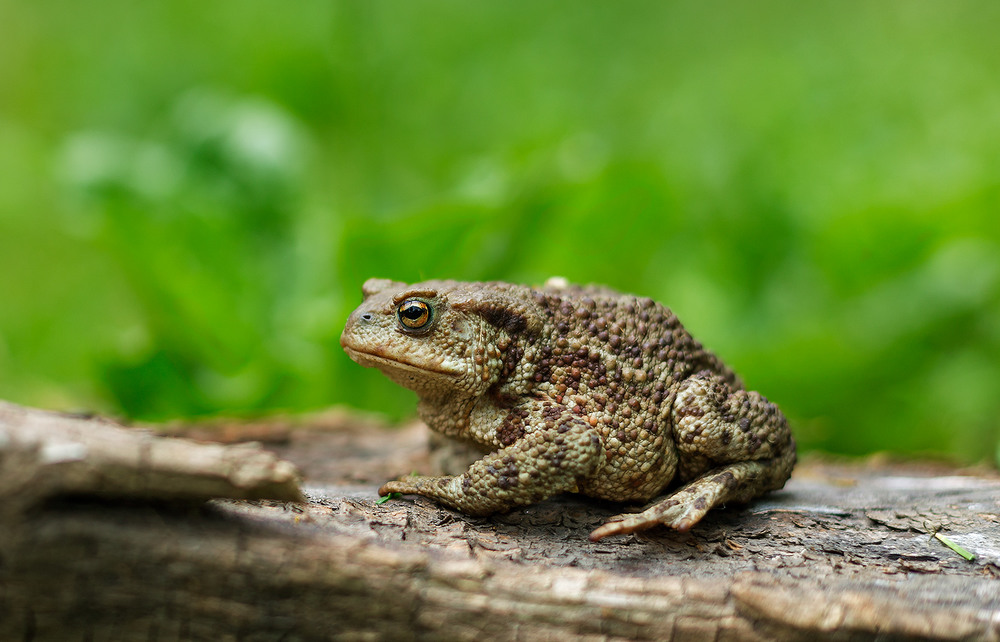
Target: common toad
x,y
571,389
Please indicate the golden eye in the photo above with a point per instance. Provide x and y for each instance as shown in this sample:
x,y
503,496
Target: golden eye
x,y
414,314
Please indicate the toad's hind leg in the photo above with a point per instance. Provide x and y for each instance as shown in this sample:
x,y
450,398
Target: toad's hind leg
x,y
684,508
733,445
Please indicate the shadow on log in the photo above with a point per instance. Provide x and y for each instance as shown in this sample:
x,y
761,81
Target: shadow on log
x,y
111,533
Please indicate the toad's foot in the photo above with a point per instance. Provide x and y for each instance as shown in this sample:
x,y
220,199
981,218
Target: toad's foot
x,y
685,507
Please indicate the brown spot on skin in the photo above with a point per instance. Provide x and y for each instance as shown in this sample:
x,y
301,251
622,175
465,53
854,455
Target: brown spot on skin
x,y
726,479
508,476
700,503
726,437
511,358
511,429
503,318
551,412
690,411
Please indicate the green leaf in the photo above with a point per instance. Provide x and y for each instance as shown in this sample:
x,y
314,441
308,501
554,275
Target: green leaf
x,y
955,547
385,498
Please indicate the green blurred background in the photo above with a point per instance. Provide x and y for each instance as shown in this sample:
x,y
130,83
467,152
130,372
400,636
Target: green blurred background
x,y
191,194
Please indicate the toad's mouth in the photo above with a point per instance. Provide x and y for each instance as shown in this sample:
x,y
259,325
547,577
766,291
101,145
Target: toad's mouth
x,y
384,362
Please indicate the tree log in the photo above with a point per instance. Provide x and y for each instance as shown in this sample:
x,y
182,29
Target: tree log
x,y
112,533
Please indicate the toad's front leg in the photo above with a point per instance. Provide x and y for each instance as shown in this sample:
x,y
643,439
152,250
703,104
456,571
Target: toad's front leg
x,y
541,464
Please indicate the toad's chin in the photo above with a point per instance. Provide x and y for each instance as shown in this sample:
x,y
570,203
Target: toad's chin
x,y
409,374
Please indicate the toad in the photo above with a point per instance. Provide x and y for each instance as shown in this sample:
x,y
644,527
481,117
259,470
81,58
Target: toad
x,y
571,389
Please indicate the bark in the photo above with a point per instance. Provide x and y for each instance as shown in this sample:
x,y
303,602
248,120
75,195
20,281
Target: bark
x,y
111,533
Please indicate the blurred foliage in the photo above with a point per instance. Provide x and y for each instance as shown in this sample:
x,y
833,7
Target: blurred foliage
x,y
192,194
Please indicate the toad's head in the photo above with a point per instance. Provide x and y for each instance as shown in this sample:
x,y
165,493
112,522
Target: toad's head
x,y
440,338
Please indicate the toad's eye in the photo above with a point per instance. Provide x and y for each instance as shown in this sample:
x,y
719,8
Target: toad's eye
x,y
414,314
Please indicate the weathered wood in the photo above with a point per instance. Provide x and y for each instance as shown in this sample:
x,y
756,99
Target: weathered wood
x,y
44,455
844,552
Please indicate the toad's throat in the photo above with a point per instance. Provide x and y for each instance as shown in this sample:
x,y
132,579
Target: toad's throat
x,y
377,359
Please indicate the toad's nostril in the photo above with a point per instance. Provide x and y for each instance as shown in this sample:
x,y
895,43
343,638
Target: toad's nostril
x,y
368,317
